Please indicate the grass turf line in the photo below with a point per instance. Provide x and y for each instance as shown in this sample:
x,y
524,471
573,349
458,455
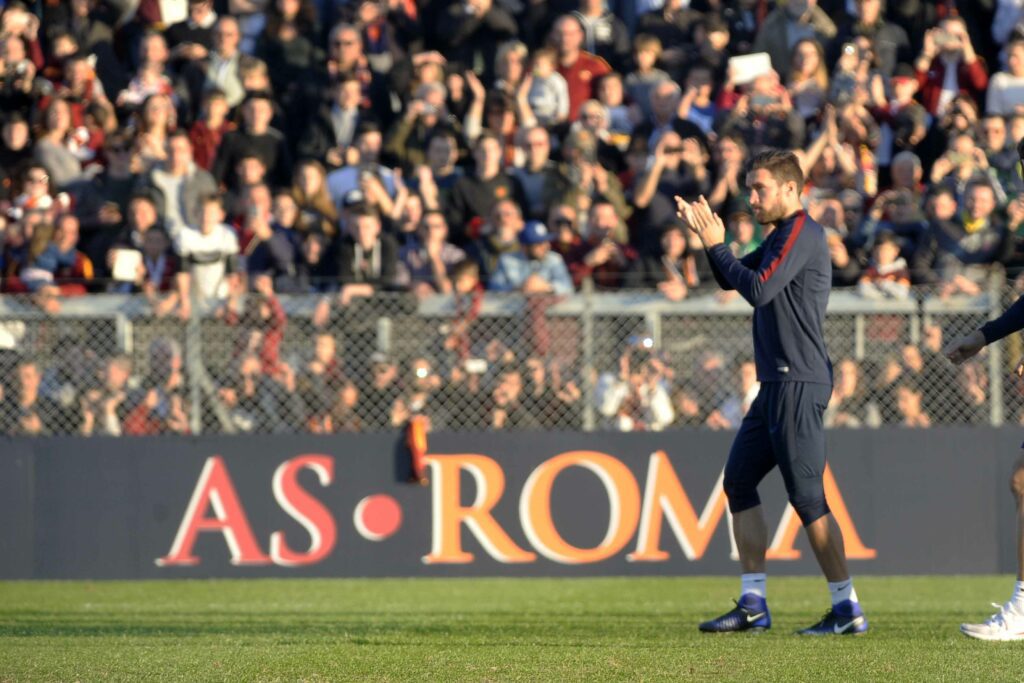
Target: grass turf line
x,y
488,629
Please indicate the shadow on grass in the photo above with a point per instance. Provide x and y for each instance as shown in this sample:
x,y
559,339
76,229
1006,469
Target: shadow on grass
x,y
366,627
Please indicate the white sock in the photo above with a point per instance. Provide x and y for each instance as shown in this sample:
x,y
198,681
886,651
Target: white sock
x,y
842,590
754,583
1018,596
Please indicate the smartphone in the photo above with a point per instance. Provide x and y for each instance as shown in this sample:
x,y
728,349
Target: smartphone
x,y
943,38
475,366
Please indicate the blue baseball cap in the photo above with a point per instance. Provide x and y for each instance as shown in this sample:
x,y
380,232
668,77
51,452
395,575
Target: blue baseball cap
x,y
535,232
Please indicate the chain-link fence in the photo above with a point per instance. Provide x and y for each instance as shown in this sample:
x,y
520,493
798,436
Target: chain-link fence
x,y
106,365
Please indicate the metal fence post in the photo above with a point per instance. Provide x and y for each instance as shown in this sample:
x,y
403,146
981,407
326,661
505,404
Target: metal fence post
x,y
193,351
995,355
587,292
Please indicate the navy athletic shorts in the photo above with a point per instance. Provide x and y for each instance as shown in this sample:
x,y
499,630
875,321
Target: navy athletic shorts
x,y
783,428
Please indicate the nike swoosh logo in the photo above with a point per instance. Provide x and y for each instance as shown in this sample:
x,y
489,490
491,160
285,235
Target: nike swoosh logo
x,y
751,618
837,629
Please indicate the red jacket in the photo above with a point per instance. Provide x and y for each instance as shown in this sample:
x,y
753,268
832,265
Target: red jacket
x,y
972,79
206,141
272,329
580,78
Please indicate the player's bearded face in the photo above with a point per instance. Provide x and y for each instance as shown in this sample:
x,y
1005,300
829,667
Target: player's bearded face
x,y
765,196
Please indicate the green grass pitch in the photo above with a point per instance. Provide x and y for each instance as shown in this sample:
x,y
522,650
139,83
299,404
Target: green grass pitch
x,y
628,629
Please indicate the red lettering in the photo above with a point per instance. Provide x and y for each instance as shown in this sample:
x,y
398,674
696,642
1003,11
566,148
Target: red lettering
x,y
304,509
215,490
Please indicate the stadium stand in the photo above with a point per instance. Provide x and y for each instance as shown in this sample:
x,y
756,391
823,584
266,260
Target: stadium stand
x,y
325,216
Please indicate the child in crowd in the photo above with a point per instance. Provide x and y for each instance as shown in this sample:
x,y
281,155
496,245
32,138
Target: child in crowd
x,y
549,93
887,275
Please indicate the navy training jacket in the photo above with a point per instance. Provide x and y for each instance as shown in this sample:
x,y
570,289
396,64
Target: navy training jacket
x,y
787,281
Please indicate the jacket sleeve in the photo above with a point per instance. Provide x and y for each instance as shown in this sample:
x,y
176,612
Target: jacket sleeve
x,y
561,281
501,280
1009,322
779,265
976,75
751,260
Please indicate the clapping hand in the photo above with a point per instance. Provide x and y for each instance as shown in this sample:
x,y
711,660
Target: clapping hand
x,y
702,220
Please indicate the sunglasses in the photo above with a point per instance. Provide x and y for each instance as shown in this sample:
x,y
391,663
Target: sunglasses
x,y
37,179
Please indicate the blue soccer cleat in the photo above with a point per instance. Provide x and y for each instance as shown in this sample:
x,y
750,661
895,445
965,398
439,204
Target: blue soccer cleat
x,y
844,619
750,614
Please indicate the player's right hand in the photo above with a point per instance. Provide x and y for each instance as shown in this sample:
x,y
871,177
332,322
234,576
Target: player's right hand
x,y
960,350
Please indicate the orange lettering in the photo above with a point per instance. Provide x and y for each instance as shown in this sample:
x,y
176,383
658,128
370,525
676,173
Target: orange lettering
x,y
449,515
782,546
664,496
623,499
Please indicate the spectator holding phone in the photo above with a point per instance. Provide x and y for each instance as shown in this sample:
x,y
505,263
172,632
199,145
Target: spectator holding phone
x,y
783,26
635,399
948,66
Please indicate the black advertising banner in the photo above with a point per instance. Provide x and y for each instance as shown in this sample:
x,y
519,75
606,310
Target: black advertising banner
x,y
546,504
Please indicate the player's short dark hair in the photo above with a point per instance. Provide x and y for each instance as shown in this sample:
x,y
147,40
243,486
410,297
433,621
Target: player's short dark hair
x,y
784,166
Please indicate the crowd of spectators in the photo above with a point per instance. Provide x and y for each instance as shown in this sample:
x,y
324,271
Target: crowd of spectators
x,y
325,387
202,153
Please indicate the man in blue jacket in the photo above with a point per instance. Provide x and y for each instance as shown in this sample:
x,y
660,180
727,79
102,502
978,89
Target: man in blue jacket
x,y
787,281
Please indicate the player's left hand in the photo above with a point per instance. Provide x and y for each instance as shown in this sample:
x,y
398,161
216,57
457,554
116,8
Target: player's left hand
x,y
960,350
702,220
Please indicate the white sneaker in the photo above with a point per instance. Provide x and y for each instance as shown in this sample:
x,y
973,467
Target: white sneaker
x,y
1006,624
